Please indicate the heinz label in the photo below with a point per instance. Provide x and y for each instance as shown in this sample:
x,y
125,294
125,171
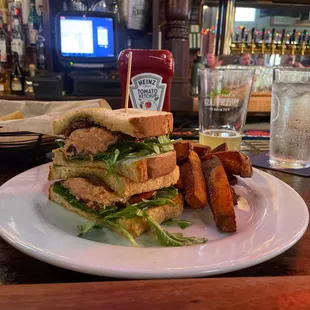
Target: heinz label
x,y
147,91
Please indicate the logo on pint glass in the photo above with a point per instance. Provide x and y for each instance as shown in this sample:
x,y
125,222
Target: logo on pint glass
x,y
222,101
147,91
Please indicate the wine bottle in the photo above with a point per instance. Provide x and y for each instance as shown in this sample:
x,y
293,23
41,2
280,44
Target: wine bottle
x,y
4,11
17,43
2,80
5,48
17,77
41,61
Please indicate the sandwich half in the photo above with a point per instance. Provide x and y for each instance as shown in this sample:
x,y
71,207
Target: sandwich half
x,y
135,143
118,170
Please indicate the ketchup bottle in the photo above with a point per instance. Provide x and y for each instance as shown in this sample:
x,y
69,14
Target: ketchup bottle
x,y
150,81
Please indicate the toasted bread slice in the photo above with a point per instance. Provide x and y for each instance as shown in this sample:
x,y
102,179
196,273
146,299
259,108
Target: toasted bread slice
x,y
138,170
122,185
193,179
221,148
235,163
12,116
136,122
135,226
220,195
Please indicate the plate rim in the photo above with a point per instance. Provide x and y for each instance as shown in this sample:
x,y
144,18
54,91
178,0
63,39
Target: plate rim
x,y
166,273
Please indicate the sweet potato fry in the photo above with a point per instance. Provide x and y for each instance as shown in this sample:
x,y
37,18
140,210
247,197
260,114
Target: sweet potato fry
x,y
221,148
201,150
182,150
219,194
235,197
180,184
195,184
232,179
234,162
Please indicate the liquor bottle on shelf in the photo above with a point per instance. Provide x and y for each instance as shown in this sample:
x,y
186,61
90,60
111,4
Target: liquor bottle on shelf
x,y
5,48
4,81
17,77
78,5
16,9
25,11
17,43
33,21
41,63
198,64
29,80
64,5
4,11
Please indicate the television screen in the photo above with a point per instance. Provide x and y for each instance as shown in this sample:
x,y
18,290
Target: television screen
x,y
86,36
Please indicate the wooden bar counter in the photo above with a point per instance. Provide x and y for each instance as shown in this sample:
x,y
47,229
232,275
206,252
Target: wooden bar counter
x,y
259,102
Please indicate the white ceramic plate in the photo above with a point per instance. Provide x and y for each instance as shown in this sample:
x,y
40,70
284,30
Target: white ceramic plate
x,y
271,217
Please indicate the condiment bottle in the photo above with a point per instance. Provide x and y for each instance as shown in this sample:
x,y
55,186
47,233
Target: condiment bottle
x,y
150,82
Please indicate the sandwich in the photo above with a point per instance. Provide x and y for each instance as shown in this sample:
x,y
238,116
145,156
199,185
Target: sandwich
x,y
118,169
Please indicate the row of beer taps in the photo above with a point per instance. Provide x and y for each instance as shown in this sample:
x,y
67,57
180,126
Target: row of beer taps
x,y
296,43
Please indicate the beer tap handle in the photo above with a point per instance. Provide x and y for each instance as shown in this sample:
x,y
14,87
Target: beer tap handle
x,y
272,35
242,33
253,41
263,34
294,35
253,34
283,41
299,39
283,36
304,35
237,37
303,45
246,37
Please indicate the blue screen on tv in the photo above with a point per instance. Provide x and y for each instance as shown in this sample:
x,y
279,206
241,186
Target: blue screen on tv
x,y
84,36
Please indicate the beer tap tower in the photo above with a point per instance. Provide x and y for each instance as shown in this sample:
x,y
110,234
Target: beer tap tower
x,y
294,46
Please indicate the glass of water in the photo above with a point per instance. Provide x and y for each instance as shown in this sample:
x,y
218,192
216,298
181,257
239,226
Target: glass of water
x,y
290,119
224,95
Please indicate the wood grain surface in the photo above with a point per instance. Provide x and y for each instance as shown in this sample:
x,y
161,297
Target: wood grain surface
x,y
18,268
239,293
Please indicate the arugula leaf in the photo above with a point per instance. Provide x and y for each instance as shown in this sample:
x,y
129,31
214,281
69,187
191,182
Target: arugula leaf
x,y
144,204
168,192
79,157
127,213
181,223
186,241
61,142
168,239
108,210
83,229
122,230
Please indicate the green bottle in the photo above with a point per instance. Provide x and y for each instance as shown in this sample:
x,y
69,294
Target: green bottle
x,y
33,23
198,64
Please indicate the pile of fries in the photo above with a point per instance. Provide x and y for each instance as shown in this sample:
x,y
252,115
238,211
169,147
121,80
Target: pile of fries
x,y
207,177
